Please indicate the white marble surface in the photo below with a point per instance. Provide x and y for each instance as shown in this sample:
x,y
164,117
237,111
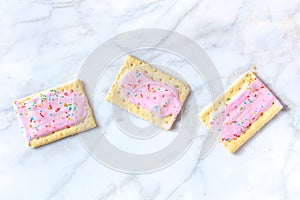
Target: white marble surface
x,y
43,43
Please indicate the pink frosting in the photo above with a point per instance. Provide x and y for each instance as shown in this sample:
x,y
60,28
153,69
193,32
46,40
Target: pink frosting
x,y
158,98
52,111
241,111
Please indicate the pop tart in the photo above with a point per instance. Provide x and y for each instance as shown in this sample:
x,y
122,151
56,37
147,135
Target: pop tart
x,y
245,107
148,93
54,114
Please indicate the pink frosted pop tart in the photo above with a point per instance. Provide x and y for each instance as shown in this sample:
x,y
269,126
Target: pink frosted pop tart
x,y
53,114
245,107
148,92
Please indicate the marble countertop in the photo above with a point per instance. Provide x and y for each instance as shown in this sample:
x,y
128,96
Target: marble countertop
x,y
44,43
